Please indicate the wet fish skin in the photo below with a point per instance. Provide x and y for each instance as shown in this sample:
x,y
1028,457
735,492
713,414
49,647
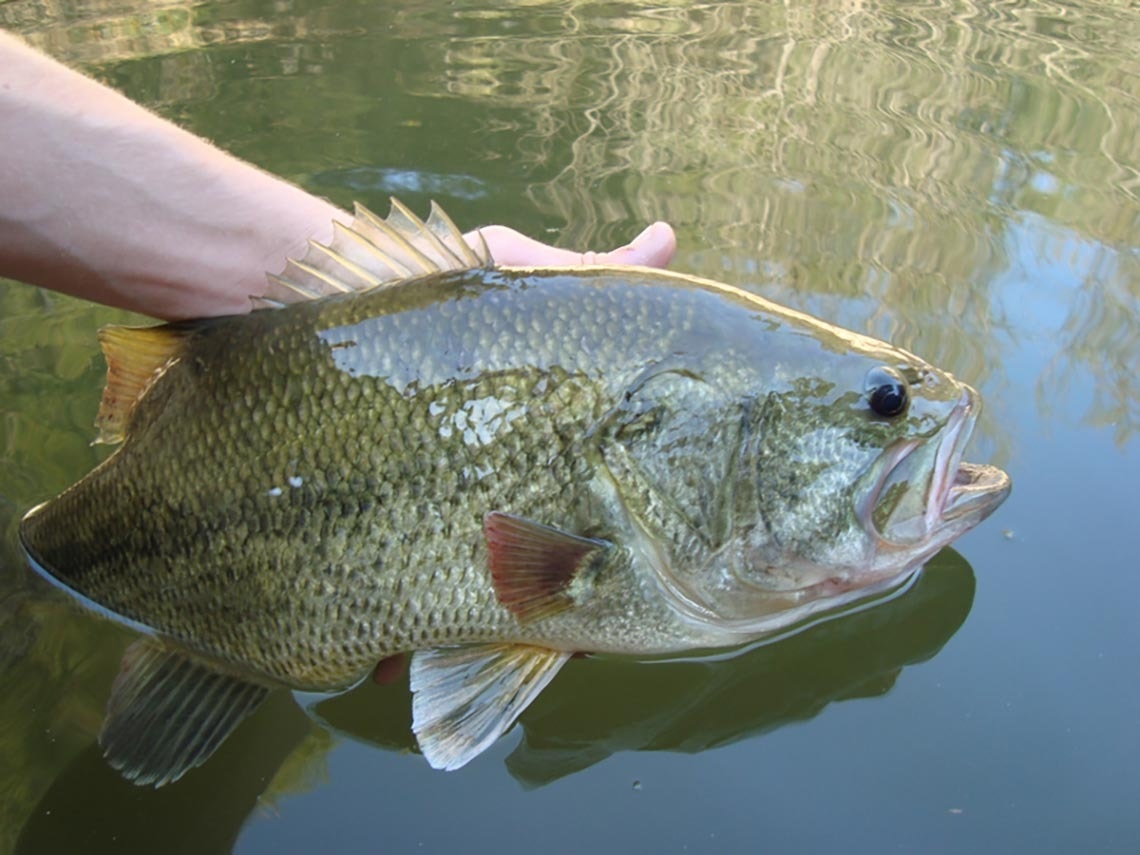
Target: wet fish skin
x,y
297,485
306,491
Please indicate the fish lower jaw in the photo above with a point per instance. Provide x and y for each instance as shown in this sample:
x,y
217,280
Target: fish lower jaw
x,y
822,601
839,585
787,611
975,493
832,587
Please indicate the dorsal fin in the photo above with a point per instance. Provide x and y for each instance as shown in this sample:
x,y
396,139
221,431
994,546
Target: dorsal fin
x,y
135,357
373,252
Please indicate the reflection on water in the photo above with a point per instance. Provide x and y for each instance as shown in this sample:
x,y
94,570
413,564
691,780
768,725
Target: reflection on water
x,y
602,706
958,177
86,803
594,709
403,182
879,168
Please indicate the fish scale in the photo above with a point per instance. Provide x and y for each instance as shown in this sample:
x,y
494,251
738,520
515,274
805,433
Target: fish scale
x,y
217,471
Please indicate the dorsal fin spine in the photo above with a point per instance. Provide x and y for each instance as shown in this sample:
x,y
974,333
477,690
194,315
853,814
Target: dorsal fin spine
x,y
359,239
355,269
433,238
484,251
290,285
444,223
374,252
312,271
426,264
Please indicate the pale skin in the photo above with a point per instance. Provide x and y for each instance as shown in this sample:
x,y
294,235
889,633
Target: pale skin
x,y
101,199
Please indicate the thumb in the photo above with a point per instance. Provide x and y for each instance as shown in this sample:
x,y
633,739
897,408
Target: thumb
x,y
654,247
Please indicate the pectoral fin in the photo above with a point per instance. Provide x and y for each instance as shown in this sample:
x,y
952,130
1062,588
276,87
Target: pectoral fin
x,y
464,698
168,713
532,565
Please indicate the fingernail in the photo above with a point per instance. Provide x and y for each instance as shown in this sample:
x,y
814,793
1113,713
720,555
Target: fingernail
x,y
643,238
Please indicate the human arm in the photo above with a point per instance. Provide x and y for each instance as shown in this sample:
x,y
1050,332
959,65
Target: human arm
x,y
104,200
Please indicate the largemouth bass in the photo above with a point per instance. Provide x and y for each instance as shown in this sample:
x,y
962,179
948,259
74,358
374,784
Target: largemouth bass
x,y
408,449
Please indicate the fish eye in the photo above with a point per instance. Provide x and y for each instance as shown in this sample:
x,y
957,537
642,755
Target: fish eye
x,y
887,393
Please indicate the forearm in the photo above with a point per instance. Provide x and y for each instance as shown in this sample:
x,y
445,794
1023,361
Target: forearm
x,y
101,199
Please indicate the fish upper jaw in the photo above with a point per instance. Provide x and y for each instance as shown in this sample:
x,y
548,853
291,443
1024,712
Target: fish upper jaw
x,y
949,456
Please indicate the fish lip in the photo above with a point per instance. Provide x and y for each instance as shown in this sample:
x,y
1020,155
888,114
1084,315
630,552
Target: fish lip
x,y
963,494
976,492
949,455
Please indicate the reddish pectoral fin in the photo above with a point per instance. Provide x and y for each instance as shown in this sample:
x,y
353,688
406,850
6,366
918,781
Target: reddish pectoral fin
x,y
168,712
464,698
532,565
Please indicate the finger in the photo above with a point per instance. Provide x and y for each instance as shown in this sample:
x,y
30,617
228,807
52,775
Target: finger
x,y
653,247
388,670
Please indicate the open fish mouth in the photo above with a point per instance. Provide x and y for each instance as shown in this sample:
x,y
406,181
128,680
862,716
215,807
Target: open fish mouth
x,y
977,490
926,494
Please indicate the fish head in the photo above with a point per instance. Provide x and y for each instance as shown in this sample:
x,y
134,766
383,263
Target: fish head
x,y
778,486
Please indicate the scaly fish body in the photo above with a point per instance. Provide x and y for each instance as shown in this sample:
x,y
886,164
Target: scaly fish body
x,y
525,463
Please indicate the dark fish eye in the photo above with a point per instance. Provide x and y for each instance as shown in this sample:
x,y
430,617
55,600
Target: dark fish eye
x,y
887,393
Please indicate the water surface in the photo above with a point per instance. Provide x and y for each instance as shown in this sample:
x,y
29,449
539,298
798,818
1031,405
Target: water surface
x,y
959,178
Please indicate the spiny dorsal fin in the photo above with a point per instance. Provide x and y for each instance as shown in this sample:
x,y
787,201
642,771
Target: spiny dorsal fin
x,y
169,712
135,357
464,698
373,252
532,565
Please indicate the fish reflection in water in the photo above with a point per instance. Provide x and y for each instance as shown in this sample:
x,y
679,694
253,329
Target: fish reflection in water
x,y
598,708
602,706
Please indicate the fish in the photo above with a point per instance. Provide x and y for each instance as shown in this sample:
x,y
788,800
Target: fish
x,y
408,449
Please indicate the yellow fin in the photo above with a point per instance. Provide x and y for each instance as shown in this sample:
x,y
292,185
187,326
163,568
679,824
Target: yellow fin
x,y
373,252
135,357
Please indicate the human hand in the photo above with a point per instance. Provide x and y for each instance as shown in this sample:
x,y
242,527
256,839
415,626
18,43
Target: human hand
x,y
654,247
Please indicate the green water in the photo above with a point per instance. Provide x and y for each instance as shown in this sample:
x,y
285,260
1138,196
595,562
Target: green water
x,y
959,178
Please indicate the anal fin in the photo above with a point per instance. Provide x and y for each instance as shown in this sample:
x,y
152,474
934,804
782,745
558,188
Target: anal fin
x,y
464,698
169,712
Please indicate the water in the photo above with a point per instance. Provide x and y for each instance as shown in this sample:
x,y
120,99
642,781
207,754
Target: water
x,y
960,178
